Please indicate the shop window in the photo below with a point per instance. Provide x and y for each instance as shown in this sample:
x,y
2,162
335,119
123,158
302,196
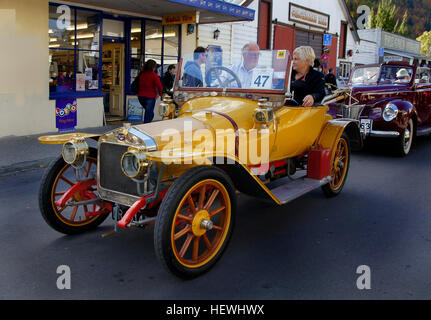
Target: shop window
x,y
61,29
161,44
87,30
113,28
88,69
61,70
153,38
135,48
74,45
170,40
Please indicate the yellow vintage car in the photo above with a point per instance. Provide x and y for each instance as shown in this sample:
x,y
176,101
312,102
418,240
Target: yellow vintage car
x,y
227,134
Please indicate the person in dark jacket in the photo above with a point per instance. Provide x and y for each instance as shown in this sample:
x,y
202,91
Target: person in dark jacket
x,y
331,79
307,84
192,71
168,79
150,87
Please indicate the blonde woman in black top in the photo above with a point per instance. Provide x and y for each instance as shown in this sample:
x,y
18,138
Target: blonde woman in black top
x,y
307,84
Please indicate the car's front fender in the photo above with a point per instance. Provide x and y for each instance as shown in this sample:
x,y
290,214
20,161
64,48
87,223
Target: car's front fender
x,y
63,138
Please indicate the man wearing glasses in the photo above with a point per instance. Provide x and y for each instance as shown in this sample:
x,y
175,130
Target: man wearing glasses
x,y
244,70
192,71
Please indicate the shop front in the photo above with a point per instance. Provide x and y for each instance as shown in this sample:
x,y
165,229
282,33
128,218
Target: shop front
x,y
85,55
99,55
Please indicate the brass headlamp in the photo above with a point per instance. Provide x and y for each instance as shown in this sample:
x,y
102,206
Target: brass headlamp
x,y
264,113
134,163
167,107
75,151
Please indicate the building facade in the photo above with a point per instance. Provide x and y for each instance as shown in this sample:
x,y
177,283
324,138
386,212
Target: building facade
x,y
379,46
280,24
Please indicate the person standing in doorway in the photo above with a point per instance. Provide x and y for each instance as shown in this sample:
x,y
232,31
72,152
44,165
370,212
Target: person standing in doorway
x,y
331,80
168,79
150,87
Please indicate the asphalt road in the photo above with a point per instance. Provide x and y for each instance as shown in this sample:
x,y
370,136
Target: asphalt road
x,y
308,249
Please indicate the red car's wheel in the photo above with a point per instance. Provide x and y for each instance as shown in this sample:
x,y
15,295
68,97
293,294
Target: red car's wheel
x,y
58,178
339,167
195,221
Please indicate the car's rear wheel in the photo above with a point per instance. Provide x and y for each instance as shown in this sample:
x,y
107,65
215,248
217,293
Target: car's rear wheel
x,y
339,167
195,221
405,141
57,179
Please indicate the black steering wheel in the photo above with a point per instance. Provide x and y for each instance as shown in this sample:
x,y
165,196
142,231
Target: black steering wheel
x,y
215,73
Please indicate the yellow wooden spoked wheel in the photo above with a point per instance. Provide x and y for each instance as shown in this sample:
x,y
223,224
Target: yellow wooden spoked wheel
x,y
57,179
201,223
339,167
195,221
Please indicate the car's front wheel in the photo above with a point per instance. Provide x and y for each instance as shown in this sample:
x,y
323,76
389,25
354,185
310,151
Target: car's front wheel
x,y
405,141
58,178
195,221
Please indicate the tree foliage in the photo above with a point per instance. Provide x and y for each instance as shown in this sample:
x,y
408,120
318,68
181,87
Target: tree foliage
x,y
385,18
416,14
425,39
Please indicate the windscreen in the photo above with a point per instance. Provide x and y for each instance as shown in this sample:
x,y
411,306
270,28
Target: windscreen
x,y
386,74
250,68
366,75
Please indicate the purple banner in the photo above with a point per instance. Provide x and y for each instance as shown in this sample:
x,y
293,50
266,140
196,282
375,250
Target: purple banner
x,y
65,114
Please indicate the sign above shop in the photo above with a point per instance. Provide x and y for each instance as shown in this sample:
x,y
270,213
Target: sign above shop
x,y
308,16
220,6
392,58
179,18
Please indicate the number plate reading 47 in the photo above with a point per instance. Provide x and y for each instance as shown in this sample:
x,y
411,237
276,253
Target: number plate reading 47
x,y
365,125
262,78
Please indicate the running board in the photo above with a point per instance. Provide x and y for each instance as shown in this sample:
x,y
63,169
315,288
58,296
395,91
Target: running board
x,y
286,190
423,131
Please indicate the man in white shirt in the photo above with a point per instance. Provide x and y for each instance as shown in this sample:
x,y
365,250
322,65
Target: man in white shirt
x,y
244,70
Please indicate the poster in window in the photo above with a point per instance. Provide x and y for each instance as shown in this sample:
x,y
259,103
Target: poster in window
x,y
88,74
134,110
66,114
80,82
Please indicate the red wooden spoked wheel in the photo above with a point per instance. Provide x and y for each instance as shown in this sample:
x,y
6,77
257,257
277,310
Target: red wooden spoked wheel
x,y
58,178
74,215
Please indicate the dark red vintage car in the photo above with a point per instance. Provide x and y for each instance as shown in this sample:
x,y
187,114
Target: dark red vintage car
x,y
390,100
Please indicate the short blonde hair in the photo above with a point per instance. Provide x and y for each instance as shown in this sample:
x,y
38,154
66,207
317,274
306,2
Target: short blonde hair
x,y
305,53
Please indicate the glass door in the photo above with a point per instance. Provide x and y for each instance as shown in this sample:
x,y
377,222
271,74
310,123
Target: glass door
x,y
113,78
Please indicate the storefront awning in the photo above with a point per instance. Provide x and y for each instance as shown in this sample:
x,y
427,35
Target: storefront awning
x,y
406,54
210,11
